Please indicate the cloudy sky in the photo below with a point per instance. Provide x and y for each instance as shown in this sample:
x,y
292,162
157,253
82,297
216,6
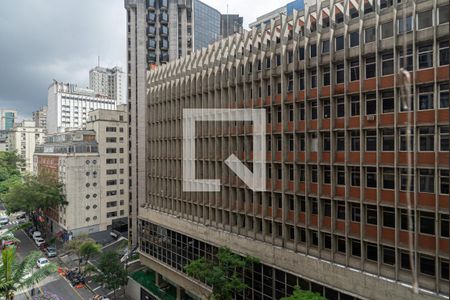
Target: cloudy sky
x,y
42,40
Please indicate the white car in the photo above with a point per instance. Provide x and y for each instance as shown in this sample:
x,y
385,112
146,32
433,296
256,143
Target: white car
x,y
39,241
4,220
42,262
37,234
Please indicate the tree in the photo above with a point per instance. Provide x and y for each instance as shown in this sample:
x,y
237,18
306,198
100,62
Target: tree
x,y
84,247
303,295
9,171
111,272
15,276
223,274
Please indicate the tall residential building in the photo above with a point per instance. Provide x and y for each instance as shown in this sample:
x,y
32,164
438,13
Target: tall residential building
x,y
109,83
69,105
340,156
7,119
231,24
23,139
111,129
4,134
40,117
157,31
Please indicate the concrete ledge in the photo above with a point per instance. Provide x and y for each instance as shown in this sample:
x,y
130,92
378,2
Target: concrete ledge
x,y
349,281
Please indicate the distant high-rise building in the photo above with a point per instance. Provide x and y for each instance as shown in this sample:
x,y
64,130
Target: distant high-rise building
x,y
4,135
68,106
230,24
7,119
287,10
40,117
206,24
110,83
23,139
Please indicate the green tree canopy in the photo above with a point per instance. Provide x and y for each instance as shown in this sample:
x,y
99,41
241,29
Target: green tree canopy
x,y
84,247
9,171
111,272
303,295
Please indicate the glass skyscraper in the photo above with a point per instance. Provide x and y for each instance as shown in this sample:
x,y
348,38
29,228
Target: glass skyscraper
x,y
206,25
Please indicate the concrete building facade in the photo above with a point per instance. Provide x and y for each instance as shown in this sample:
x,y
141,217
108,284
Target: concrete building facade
x,y
69,105
7,119
40,117
231,24
334,217
23,139
109,83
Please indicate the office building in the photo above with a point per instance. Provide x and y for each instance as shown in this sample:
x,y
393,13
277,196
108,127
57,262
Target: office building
x,y
230,24
111,128
69,105
40,117
7,119
4,140
109,83
334,217
207,22
286,10
23,139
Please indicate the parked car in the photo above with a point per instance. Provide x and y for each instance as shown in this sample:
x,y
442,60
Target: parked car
x,y
37,234
39,241
42,262
4,220
50,252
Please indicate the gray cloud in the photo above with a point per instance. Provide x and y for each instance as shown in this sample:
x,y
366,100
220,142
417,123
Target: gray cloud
x,y
43,40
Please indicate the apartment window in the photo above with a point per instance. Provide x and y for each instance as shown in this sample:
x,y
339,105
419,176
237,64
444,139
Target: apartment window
x,y
302,141
278,59
326,109
301,171
443,95
340,141
314,174
426,180
326,76
426,97
444,181
111,214
387,63
339,16
326,142
313,110
313,79
404,261
327,175
426,139
425,56
371,177
301,111
301,53
443,17
404,224
327,208
340,176
325,46
388,179
341,245
313,50
354,176
444,219
387,30
340,210
371,214
388,255
371,104
404,180
443,53
403,139
111,150
110,129
339,42
354,70
372,252
427,265
325,22
291,143
387,99
327,241
356,212
369,34
268,90
354,105
354,39
111,172
354,141
371,67
111,161
388,139
291,173
340,107
314,206
444,269
402,28
371,140
301,81
340,73
267,62
424,19
314,238
356,248
278,114
388,217
405,60
427,222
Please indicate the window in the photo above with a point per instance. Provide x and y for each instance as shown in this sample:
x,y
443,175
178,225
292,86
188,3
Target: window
x,y
388,179
371,214
404,180
354,139
444,269
444,225
372,252
354,13
313,78
368,8
111,150
110,129
301,81
354,105
425,56
426,97
314,206
314,174
340,176
444,181
387,63
426,180
443,95
327,208
443,53
356,248
371,140
301,53
405,261
111,140
388,139
326,46
327,241
443,139
404,137
427,265
354,176
339,42
424,19
386,3
302,141
325,22
401,24
356,212
326,142
371,67
427,222
404,219
341,245
340,141
369,34
387,99
339,73
327,175
290,85
313,50
326,109
111,214
426,139
388,217
371,177
443,15
354,39
301,171
406,61
340,210
301,111
354,70
388,255
313,110
387,30
339,16
326,76
340,107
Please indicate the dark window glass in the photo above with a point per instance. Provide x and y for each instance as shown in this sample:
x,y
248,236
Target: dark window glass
x,y
427,222
427,265
372,252
339,42
371,214
388,255
389,217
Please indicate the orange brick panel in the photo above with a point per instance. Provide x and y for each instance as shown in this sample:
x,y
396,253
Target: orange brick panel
x,y
443,202
442,73
370,84
313,156
326,157
353,122
339,123
387,120
426,200
425,75
339,88
301,156
326,190
290,216
290,126
325,91
387,158
387,81
353,87
340,191
370,194
313,124
388,234
326,124
312,94
425,117
370,157
354,192
290,156
326,222
278,155
354,228
290,97
278,184
340,157
443,116
443,246
353,157
302,186
402,118
387,197
371,231
301,125
426,242
291,186
313,188
301,95
313,220
340,226
425,158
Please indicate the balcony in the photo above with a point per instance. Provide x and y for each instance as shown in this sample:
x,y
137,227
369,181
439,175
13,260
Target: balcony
x,y
151,31
151,4
151,18
163,18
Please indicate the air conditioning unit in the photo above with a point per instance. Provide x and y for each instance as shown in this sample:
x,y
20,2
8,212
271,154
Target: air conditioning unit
x,y
371,118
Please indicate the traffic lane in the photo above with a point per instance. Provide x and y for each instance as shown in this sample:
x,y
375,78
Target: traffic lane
x,y
26,245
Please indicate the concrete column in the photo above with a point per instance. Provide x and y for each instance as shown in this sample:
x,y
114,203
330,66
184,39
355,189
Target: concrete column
x,y
157,279
180,293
